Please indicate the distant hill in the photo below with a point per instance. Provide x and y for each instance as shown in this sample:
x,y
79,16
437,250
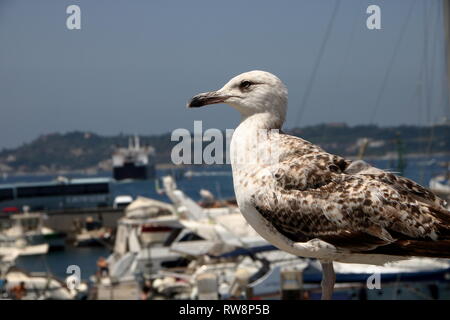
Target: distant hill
x,y
344,140
77,151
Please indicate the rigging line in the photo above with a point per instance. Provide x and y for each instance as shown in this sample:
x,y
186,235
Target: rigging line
x,y
349,47
391,63
421,81
425,87
426,68
425,64
430,83
344,62
414,97
428,87
48,276
317,63
444,101
434,52
428,79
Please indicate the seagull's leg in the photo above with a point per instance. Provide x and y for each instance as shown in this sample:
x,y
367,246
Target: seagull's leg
x,y
328,279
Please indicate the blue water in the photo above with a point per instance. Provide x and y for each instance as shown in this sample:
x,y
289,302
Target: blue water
x,y
57,262
219,183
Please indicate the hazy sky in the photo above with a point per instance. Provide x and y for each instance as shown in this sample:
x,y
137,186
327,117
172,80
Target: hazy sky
x,y
134,64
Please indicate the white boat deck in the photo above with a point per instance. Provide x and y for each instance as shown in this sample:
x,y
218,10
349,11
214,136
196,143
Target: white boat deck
x,y
120,291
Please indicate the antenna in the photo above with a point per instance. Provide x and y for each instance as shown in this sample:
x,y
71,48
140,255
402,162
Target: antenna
x,y
136,142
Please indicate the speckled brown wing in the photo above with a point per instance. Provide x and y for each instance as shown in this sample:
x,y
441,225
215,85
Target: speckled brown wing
x,y
303,165
412,190
406,187
342,216
312,197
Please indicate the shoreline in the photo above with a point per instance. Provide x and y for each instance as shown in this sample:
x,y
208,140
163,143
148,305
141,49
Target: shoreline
x,y
170,166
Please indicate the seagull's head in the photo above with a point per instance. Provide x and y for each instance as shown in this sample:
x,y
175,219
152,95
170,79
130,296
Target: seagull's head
x,y
250,93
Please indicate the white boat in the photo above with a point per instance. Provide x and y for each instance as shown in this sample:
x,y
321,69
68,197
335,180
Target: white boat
x,y
440,184
213,253
12,245
29,228
122,201
139,246
37,285
262,273
42,286
92,233
23,251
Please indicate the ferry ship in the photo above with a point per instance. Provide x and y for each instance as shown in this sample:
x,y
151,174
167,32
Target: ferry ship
x,y
135,162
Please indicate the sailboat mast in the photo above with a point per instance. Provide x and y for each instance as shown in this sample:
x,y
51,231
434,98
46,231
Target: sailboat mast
x,y
446,8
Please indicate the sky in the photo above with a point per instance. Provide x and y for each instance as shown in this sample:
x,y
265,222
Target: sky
x,y
134,64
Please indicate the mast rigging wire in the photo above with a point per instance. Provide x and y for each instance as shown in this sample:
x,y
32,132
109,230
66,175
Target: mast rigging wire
x,y
391,63
317,63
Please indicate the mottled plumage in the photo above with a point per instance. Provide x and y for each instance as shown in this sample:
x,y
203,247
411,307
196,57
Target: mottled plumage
x,y
314,204
313,195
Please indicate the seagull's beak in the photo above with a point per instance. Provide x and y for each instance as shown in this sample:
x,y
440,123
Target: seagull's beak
x,y
204,99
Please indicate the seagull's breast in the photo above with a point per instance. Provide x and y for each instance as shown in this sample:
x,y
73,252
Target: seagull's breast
x,y
250,174
254,153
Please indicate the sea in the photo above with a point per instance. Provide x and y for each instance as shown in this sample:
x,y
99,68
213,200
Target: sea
x,y
216,179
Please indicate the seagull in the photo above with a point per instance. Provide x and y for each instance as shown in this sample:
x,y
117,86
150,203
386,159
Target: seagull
x,y
314,204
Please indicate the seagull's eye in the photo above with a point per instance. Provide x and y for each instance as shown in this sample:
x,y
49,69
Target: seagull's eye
x,y
245,84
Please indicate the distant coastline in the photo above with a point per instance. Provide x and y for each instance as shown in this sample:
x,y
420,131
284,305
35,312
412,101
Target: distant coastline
x,y
87,153
170,166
